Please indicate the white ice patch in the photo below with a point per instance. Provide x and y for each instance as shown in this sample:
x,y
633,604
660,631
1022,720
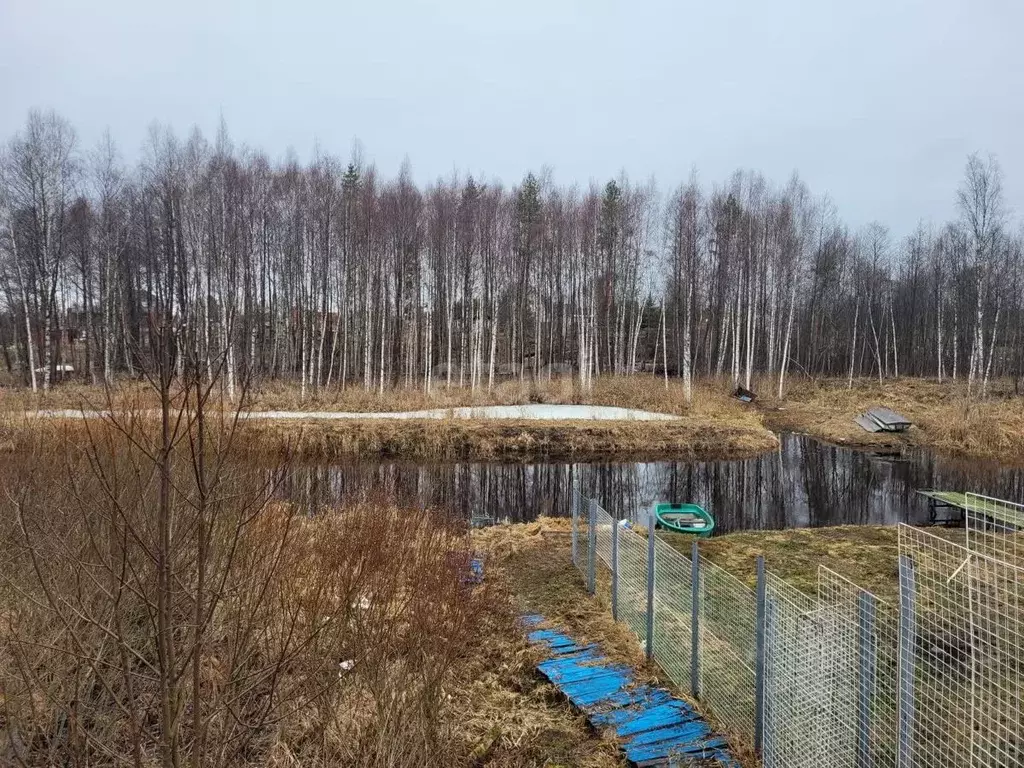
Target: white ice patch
x,y
513,412
518,412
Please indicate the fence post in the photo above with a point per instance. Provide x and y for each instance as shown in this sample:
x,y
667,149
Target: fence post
x,y
759,658
592,549
866,653
650,585
574,504
615,570
908,644
695,620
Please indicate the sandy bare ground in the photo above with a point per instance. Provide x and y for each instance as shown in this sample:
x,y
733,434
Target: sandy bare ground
x,y
514,412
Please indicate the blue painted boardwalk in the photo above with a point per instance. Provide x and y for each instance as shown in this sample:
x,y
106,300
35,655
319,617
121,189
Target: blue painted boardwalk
x,y
653,727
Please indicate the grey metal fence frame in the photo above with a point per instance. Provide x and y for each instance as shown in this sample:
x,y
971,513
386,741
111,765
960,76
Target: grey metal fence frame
x,y
840,678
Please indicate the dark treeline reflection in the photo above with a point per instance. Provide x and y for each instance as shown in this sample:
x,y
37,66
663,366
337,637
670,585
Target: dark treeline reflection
x,y
805,483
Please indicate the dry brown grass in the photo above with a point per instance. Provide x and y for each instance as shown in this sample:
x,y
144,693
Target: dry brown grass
x,y
945,418
534,559
433,439
687,438
440,675
713,426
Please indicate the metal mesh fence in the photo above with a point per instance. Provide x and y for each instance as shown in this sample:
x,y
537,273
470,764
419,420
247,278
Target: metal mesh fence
x,y
673,610
997,662
728,640
797,636
995,529
936,642
580,531
849,681
995,578
603,536
859,673
633,581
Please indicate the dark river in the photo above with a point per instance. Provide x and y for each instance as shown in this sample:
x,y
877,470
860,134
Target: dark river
x,y
804,483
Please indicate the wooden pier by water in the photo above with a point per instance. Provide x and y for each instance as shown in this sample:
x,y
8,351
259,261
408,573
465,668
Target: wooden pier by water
x,y
950,508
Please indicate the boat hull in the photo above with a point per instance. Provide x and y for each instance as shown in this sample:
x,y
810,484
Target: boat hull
x,y
685,518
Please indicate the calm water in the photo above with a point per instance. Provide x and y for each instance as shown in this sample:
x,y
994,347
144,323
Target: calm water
x,y
804,483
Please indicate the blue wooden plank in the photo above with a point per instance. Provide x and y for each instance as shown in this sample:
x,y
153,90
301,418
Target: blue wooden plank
x,y
694,731
661,751
549,637
633,704
627,698
574,667
651,709
663,716
589,656
587,693
576,651
564,649
571,670
652,724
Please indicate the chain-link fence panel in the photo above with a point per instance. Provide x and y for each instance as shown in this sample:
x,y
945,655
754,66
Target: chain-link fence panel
x,y
728,648
997,662
849,680
603,536
673,610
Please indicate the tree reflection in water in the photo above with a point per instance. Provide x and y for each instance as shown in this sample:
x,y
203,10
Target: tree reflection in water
x,y
804,483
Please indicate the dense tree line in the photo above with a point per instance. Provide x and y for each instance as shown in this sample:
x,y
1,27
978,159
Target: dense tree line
x,y
332,275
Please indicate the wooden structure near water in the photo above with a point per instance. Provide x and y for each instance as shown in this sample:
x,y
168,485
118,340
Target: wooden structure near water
x,y
882,420
951,507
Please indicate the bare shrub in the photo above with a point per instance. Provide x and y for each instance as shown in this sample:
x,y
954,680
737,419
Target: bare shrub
x,y
160,608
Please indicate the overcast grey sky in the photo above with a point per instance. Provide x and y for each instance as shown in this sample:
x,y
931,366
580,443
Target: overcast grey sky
x,y
876,102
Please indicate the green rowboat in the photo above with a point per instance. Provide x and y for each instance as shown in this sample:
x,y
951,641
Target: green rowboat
x,y
685,518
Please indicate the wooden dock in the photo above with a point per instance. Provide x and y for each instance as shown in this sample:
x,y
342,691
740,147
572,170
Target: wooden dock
x,y
956,504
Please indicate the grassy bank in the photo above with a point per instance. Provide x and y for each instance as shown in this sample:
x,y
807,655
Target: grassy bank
x,y
535,560
945,418
506,439
712,426
867,555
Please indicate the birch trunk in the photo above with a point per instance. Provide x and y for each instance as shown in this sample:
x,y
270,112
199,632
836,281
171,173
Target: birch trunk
x,y
991,348
784,363
853,343
687,342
